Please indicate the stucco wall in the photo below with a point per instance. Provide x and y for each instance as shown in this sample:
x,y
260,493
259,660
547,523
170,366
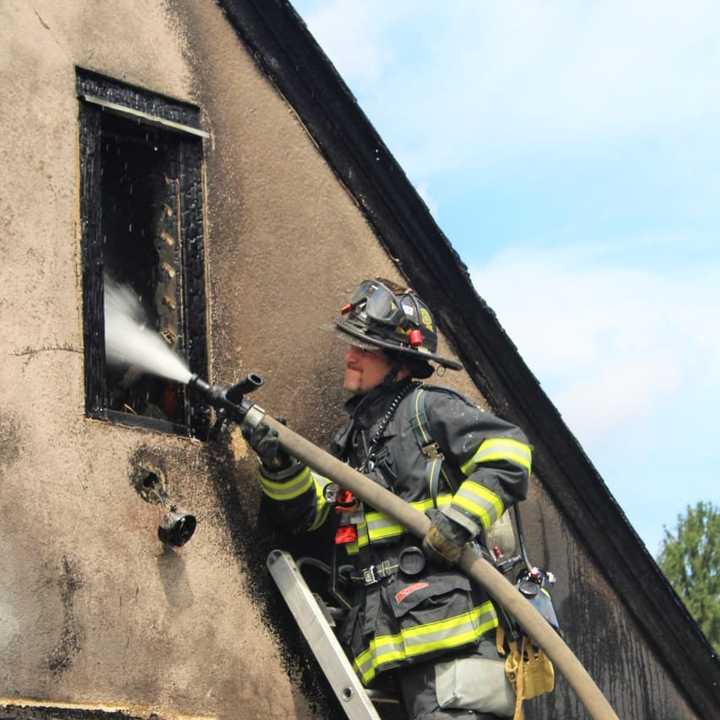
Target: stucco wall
x,y
92,608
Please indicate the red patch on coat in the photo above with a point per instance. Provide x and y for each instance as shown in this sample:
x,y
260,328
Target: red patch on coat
x,y
345,534
409,590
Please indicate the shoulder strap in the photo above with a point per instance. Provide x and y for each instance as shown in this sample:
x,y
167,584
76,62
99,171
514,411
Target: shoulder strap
x,y
429,448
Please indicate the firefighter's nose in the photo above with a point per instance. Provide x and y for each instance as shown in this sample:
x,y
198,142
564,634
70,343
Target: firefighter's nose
x,y
352,355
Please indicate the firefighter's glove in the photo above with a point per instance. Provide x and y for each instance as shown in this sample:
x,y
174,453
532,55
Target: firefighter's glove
x,y
444,541
264,441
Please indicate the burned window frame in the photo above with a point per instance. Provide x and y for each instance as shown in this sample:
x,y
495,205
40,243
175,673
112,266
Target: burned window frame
x,y
98,94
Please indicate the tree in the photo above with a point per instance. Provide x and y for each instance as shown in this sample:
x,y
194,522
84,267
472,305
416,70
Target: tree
x,y
690,558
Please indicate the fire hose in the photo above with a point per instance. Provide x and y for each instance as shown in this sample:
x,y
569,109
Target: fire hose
x,y
239,409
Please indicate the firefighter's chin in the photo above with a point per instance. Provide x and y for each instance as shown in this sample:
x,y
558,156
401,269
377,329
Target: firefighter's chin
x,y
353,380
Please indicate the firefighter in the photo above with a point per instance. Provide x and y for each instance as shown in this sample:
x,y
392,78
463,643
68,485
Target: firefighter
x,y
412,613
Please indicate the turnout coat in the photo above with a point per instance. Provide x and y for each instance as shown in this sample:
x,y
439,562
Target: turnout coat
x,y
404,436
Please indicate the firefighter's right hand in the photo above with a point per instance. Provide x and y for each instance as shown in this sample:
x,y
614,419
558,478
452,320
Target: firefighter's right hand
x,y
264,441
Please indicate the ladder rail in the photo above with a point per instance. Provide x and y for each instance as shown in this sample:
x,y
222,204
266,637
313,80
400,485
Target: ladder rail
x,y
311,620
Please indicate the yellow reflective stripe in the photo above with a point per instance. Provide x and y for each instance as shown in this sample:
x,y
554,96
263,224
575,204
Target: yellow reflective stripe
x,y
508,449
321,505
421,639
432,636
480,501
385,532
382,527
362,531
420,505
362,539
290,489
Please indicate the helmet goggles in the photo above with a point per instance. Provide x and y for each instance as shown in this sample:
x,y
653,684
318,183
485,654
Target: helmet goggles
x,y
382,305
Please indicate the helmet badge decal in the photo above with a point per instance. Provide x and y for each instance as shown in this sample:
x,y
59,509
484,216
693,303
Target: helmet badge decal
x,y
426,319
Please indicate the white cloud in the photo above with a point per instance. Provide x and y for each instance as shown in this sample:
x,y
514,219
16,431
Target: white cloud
x,y
452,80
351,36
611,345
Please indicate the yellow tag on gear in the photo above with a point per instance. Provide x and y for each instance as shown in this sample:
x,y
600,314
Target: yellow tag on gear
x,y
425,319
530,672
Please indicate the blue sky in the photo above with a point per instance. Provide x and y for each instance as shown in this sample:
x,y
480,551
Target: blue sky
x,y
570,151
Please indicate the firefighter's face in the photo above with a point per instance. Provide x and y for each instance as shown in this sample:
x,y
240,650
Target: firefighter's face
x,y
364,369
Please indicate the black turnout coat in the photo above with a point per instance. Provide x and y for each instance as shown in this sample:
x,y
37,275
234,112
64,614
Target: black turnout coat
x,y
402,436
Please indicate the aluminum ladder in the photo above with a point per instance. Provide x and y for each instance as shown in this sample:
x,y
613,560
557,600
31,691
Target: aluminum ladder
x,y
315,623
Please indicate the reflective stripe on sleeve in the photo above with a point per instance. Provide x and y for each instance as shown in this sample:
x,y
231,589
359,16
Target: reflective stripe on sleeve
x,y
423,639
481,504
290,489
513,451
380,527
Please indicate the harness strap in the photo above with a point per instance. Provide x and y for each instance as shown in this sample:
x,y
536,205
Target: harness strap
x,y
373,574
428,447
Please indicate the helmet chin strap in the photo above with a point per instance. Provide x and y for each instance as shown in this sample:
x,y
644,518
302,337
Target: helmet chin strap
x,y
391,378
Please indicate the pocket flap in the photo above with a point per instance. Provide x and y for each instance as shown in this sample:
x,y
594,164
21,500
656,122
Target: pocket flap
x,y
406,593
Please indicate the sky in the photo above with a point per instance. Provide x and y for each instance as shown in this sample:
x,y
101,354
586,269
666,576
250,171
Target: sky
x,y
570,151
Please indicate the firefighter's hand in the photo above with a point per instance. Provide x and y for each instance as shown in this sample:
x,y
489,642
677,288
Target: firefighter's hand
x,y
444,541
264,441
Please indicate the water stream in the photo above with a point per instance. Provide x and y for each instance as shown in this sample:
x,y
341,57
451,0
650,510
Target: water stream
x,y
129,341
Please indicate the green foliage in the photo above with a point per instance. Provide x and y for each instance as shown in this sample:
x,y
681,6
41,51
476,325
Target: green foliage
x,y
691,560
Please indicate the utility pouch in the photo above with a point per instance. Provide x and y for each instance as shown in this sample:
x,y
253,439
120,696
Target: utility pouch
x,y
475,683
528,669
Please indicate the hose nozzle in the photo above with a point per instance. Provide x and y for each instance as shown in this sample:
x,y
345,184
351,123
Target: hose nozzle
x,y
228,398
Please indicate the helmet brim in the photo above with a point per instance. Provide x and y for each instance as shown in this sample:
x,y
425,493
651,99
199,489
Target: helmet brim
x,y
355,337
349,339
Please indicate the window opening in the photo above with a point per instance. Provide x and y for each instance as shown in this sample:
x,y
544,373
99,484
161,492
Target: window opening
x,y
141,207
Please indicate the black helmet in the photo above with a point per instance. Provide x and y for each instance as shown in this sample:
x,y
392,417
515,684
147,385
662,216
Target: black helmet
x,y
384,315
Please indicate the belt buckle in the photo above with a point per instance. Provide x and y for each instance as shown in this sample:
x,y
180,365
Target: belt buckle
x,y
369,576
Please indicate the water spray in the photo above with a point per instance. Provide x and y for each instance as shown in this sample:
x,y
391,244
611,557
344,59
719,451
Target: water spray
x,y
129,341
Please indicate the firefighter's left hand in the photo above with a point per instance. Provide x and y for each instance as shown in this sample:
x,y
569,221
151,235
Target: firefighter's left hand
x,y
444,541
264,441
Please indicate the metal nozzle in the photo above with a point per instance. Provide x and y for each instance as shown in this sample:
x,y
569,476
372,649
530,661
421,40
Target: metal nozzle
x,y
248,384
198,383
226,398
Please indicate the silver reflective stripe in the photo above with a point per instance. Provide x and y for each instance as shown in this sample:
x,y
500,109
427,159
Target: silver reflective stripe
x,y
462,519
479,502
380,528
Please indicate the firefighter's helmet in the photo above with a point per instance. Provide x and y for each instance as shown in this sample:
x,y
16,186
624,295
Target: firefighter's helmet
x,y
384,315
